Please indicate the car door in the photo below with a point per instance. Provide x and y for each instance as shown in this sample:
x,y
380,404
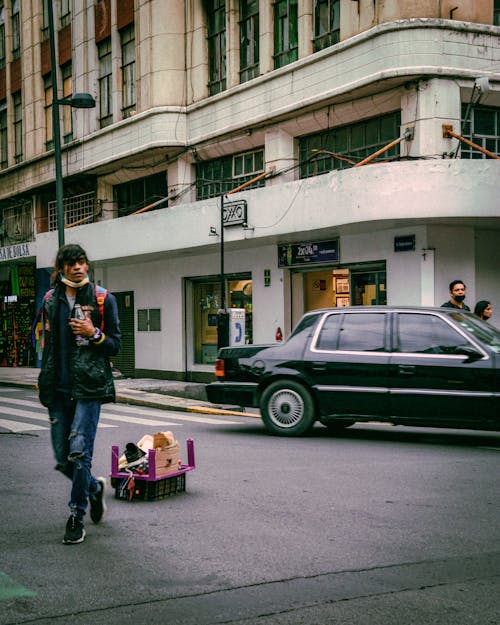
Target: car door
x,y
348,363
430,381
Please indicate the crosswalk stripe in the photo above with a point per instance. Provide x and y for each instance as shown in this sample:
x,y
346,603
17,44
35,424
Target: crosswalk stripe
x,y
19,426
177,416
27,414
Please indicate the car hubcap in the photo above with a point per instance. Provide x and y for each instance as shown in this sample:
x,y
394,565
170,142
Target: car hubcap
x,y
286,408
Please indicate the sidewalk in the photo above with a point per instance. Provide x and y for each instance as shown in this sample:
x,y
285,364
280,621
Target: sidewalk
x,y
184,397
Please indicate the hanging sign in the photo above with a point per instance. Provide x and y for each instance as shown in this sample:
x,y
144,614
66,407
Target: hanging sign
x,y
235,213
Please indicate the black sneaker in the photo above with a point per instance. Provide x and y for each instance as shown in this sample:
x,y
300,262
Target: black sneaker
x,y
97,501
75,532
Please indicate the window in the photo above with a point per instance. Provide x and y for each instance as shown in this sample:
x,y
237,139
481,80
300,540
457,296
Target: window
x,y
149,320
105,86
49,131
216,31
496,13
67,110
356,332
2,34
16,31
65,17
45,19
482,128
224,174
77,208
18,126
136,194
127,39
326,23
286,48
3,135
426,334
351,143
249,39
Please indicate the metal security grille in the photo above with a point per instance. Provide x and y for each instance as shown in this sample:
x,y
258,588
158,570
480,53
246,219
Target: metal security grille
x,y
16,224
77,209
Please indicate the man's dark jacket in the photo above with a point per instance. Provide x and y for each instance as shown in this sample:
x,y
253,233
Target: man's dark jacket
x,y
83,372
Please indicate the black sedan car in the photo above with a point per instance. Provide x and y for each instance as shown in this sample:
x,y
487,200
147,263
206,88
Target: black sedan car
x,y
433,367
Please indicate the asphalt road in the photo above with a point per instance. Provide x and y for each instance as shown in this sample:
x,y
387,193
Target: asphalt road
x,y
381,526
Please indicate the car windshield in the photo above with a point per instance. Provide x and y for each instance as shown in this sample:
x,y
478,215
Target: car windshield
x,y
482,330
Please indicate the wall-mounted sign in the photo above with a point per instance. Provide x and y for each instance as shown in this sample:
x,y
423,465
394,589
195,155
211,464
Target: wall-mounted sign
x,y
15,251
404,243
267,277
235,213
308,253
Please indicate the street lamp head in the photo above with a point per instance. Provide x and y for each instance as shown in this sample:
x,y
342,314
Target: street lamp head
x,y
82,101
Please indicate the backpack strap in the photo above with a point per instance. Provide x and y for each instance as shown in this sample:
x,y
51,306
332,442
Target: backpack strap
x,y
100,295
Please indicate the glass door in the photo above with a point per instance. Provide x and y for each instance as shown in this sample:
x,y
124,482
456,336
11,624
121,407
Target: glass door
x,y
368,288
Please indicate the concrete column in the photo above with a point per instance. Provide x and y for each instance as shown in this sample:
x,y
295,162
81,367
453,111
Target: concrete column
x,y
305,26
105,197
280,155
266,36
427,289
181,180
426,106
196,52
232,44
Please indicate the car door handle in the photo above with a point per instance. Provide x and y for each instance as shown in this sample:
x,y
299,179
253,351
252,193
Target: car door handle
x,y
407,369
318,366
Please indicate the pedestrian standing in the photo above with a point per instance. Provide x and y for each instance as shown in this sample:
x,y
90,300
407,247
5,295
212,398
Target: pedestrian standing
x,y
76,378
483,310
457,296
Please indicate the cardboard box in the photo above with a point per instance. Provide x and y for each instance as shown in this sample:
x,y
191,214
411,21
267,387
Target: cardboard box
x,y
167,459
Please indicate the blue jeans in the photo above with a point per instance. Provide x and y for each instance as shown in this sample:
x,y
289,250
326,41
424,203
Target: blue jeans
x,y
73,430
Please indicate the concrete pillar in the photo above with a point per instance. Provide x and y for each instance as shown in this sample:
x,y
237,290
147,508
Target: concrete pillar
x,y
426,106
305,26
280,155
266,36
232,44
181,180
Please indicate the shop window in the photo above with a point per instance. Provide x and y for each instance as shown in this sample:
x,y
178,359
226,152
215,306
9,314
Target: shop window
x,y
105,85
149,320
286,45
127,40
326,23
136,194
206,304
483,128
249,39
339,148
221,175
216,35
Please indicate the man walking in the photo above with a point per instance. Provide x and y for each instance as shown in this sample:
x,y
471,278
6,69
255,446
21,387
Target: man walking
x,y
457,296
76,378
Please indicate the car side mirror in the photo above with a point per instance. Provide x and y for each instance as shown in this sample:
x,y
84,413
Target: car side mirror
x,y
471,353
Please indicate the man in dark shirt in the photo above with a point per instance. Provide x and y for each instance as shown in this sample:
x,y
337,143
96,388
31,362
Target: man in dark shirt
x,y
457,296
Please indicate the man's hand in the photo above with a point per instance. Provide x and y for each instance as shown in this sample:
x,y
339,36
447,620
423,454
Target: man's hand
x,y
83,327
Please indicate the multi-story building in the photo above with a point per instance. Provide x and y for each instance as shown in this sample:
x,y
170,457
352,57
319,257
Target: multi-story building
x,y
347,116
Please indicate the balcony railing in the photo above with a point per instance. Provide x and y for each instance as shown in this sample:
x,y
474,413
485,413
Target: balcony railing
x,y
79,209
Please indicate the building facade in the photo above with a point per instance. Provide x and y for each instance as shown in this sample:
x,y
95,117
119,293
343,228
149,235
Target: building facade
x,y
271,157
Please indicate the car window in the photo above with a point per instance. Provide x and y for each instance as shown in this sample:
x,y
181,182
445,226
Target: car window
x,y
426,334
353,332
481,330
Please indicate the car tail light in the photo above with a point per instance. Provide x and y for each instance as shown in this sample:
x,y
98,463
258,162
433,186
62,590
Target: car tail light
x,y
219,368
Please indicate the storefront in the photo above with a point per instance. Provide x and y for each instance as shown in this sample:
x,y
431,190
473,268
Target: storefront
x,y
17,313
206,304
318,280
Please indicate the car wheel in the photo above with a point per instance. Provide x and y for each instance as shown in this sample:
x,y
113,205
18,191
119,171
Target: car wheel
x,y
337,426
287,408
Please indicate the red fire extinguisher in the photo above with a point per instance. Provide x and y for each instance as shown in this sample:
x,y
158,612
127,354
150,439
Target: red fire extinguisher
x,y
279,334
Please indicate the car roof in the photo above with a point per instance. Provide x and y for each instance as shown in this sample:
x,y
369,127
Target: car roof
x,y
384,308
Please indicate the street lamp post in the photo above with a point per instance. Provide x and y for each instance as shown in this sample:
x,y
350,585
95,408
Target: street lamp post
x,y
78,100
